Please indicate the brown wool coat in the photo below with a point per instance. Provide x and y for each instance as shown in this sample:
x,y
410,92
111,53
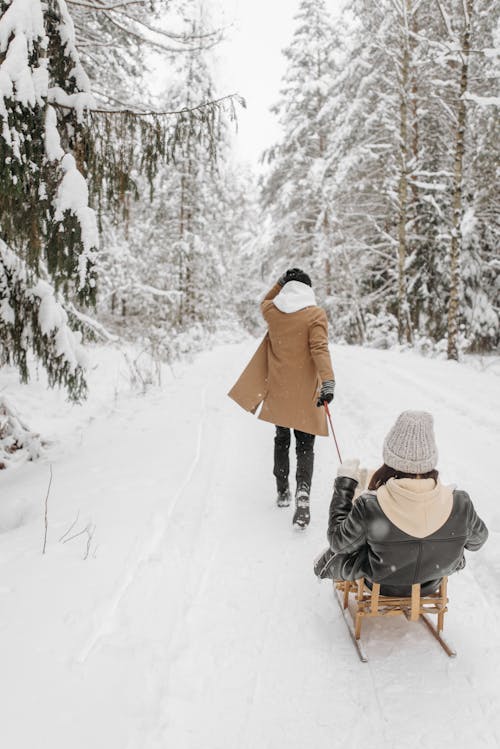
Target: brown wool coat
x,y
286,371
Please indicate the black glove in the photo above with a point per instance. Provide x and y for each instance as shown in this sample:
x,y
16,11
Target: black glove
x,y
323,565
326,393
290,275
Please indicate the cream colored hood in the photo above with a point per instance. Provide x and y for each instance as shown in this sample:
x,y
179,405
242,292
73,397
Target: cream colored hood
x,y
418,507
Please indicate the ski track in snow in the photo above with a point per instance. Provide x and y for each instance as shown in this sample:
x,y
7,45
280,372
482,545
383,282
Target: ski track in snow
x,y
200,623
151,543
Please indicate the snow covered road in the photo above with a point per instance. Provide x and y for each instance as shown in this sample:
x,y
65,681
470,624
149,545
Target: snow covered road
x,y
196,622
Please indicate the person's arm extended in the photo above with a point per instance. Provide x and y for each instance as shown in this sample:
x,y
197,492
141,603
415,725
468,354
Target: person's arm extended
x,y
346,526
272,293
267,302
318,346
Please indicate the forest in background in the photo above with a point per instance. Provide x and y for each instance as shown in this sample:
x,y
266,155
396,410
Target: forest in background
x,y
386,179
124,213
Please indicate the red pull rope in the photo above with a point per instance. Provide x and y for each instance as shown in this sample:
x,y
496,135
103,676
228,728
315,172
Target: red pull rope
x,y
331,427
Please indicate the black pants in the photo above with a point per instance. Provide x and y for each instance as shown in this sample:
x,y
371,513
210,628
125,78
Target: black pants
x,y
304,448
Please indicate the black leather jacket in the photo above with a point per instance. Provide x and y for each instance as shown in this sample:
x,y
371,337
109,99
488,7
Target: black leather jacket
x,y
367,544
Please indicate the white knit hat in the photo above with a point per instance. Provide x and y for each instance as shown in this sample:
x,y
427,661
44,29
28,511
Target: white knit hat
x,y
410,446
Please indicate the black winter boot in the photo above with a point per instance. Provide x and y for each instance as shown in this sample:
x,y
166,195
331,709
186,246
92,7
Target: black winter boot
x,y
283,498
302,515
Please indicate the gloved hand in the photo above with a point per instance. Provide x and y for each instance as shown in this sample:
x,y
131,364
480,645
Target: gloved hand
x,y
349,469
323,565
326,393
290,275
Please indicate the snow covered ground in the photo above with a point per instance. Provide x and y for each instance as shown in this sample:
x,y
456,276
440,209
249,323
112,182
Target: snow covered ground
x,y
196,621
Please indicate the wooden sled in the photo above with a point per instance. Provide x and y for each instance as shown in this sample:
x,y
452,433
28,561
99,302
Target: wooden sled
x,y
369,603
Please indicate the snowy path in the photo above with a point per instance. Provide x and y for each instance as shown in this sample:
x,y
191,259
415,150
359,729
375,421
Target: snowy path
x,y
199,624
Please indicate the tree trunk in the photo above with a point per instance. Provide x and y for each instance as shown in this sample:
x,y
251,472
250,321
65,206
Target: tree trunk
x,y
328,275
360,320
456,234
404,328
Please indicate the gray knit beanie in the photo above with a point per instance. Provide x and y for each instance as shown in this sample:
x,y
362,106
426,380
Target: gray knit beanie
x,y
410,446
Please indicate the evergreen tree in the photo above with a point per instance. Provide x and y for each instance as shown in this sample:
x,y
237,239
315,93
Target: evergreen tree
x,y
410,127
48,231
293,191
480,226
57,147
367,159
168,267
117,40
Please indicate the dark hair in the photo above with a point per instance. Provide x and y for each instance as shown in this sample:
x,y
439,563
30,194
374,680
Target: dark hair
x,y
296,274
385,472
303,278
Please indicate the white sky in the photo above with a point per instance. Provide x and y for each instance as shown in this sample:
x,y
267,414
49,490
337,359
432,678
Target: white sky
x,y
251,63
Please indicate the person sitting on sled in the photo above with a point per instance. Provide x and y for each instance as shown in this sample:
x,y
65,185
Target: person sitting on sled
x,y
408,528
291,375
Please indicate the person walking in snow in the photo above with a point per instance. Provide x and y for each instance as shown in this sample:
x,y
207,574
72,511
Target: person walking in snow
x,y
408,528
291,375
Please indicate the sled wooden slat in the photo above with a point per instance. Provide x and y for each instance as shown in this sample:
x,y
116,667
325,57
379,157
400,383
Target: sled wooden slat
x,y
415,602
368,602
375,598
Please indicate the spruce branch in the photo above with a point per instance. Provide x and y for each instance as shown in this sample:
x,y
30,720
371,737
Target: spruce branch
x,y
153,113
95,327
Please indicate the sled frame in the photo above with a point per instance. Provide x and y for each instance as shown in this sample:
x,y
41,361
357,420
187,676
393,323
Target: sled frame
x,y
370,603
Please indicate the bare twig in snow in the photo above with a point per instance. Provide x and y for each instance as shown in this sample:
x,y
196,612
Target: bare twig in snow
x,y
90,535
76,535
89,531
46,519
75,521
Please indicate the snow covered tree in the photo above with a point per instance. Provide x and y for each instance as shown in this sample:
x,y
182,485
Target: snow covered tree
x,y
293,191
480,226
48,232
467,38
464,47
363,174
165,269
60,152
404,147
118,39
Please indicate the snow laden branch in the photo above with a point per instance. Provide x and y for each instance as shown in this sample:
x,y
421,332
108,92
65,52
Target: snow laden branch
x,y
482,101
141,23
17,440
33,320
93,329
105,6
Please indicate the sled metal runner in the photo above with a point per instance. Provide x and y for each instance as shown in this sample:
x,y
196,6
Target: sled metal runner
x,y
369,603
